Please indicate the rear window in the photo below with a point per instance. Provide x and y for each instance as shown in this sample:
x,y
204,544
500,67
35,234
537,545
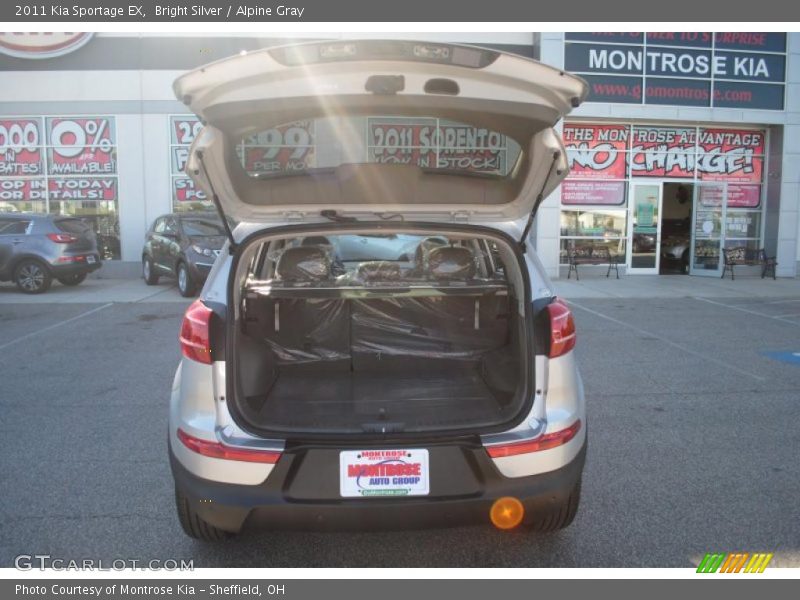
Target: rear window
x,y
427,142
71,225
13,226
202,227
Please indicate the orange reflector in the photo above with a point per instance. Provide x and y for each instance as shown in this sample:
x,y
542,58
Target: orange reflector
x,y
506,513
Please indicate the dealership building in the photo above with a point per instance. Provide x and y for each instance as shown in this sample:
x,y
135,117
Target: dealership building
x,y
688,144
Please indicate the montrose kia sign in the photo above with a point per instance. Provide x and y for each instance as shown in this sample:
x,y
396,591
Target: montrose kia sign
x,y
726,70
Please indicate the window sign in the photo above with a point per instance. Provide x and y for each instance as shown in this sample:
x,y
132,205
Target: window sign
x,y
439,144
733,70
63,165
185,194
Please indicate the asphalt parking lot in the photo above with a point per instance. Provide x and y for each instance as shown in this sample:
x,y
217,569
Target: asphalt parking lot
x,y
694,442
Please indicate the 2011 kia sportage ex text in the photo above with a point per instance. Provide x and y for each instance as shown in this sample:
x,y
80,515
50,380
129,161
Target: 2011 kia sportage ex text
x,y
377,345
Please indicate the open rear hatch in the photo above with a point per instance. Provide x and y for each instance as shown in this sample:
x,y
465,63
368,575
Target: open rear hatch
x,y
378,323
345,83
361,331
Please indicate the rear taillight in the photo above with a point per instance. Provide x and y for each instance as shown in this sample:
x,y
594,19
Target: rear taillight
x,y
62,238
544,442
217,450
195,339
562,328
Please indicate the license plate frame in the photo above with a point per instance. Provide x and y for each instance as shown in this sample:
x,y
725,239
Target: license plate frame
x,y
384,473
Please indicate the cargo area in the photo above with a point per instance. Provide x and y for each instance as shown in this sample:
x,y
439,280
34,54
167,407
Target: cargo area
x,y
379,333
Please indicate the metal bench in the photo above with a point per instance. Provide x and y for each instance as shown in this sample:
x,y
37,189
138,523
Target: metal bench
x,y
741,256
595,256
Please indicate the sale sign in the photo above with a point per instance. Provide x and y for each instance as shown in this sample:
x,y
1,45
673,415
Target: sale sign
x,y
185,190
739,195
596,151
23,190
435,144
81,146
184,129
20,147
577,192
284,148
83,188
662,152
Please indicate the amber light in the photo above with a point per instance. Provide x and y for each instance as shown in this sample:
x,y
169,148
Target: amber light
x,y
506,512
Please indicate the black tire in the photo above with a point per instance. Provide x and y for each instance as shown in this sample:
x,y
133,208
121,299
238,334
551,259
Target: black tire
x,y
148,272
193,525
32,276
560,515
186,285
75,279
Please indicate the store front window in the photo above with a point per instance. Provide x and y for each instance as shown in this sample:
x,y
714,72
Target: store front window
x,y
663,179
65,166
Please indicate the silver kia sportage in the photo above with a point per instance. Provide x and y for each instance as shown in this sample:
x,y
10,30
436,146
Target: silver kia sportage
x,y
377,344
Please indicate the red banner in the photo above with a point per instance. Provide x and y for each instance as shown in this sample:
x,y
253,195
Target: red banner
x,y
731,155
20,147
184,190
83,188
596,151
739,196
280,149
22,190
662,152
439,145
185,129
593,192
81,146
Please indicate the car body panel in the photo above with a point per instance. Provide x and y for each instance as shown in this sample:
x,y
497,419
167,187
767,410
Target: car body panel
x,y
235,97
61,259
518,97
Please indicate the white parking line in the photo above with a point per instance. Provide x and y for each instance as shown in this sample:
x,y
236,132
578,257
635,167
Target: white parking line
x,y
669,342
748,311
54,326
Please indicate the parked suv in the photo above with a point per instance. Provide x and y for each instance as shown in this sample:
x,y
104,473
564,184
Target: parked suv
x,y
378,344
35,249
183,246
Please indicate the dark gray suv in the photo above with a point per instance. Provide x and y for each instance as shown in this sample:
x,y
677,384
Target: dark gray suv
x,y
35,249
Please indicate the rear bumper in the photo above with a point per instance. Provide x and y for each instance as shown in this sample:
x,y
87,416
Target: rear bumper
x,y
289,499
199,270
74,268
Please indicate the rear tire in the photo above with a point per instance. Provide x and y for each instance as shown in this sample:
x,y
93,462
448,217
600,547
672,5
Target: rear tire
x,y
76,279
148,271
32,277
186,286
560,515
193,525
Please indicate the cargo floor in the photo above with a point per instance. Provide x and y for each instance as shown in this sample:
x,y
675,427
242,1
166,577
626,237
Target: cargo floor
x,y
367,401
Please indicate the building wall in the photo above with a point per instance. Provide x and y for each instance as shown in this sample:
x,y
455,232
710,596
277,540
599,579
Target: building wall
x,y
788,223
135,87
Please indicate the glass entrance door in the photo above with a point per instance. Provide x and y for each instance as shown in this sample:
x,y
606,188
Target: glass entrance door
x,y
708,236
645,228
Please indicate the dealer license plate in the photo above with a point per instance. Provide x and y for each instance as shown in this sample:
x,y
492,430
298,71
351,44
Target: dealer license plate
x,y
381,473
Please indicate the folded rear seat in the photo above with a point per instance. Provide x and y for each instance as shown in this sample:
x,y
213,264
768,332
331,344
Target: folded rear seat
x,y
431,332
305,332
